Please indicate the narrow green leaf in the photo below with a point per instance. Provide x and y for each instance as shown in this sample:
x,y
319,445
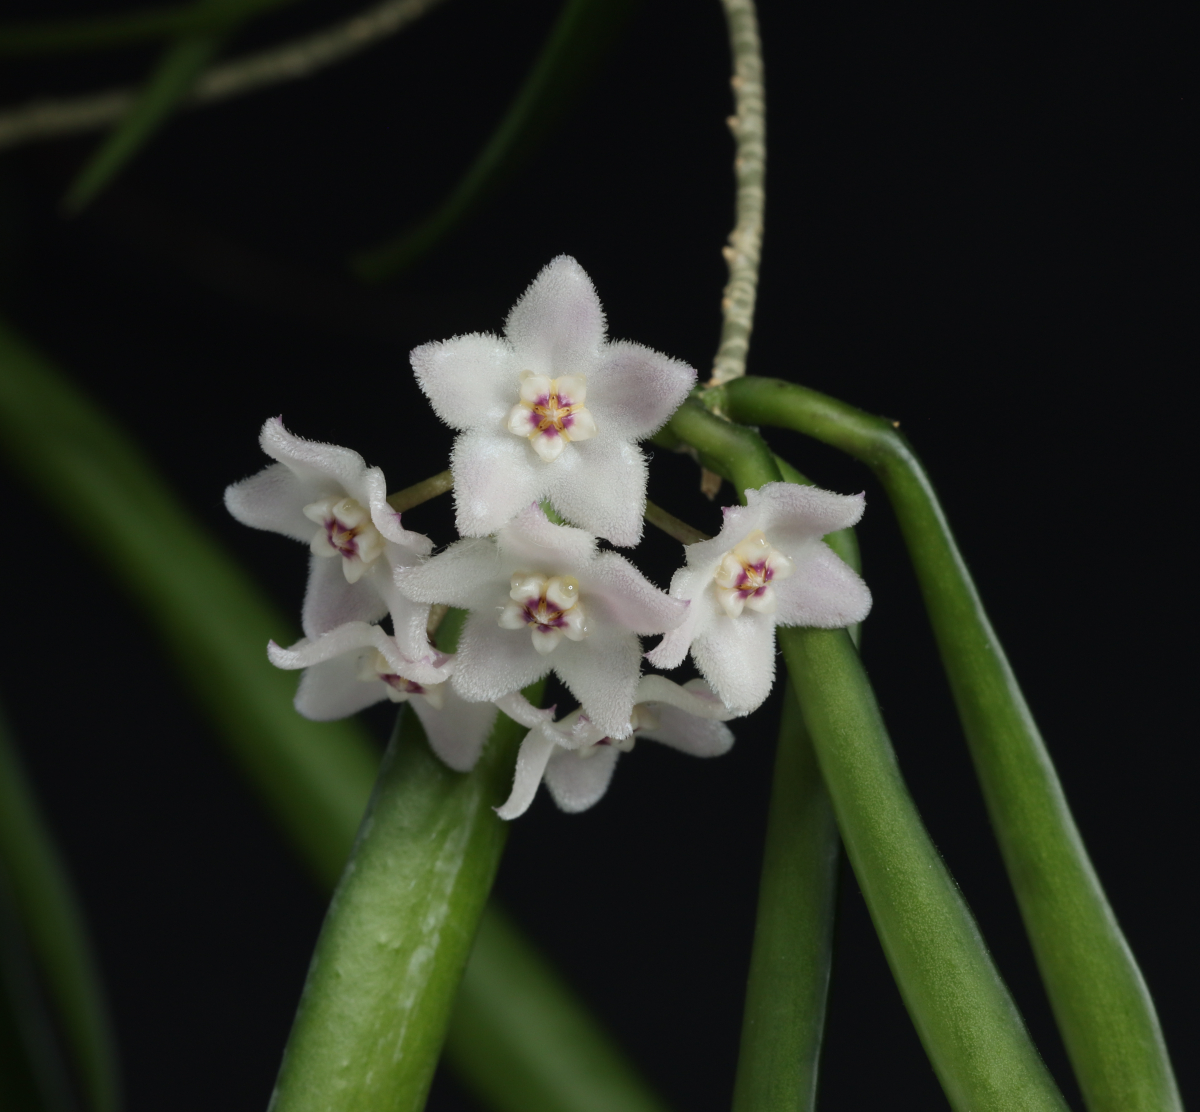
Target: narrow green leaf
x,y
171,81
399,930
129,28
1096,989
574,51
783,1024
522,1043
314,778
49,917
967,1021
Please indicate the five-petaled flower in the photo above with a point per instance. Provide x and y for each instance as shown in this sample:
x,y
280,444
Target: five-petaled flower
x,y
331,500
358,665
543,597
576,758
551,410
768,566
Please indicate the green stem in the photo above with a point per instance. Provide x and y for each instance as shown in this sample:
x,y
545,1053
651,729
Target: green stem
x,y
377,1002
963,1012
50,918
968,1023
1096,989
423,491
784,1019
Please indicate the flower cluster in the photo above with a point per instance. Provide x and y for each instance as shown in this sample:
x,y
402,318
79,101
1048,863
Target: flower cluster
x,y
550,412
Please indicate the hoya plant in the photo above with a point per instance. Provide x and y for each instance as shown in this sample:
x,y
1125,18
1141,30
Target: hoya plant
x,y
543,476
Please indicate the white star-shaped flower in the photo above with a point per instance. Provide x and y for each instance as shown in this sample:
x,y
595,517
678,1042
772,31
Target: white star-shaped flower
x,y
542,597
768,566
551,410
576,758
328,498
358,665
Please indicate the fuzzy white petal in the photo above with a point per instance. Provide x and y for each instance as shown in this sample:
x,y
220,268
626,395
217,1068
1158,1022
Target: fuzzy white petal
x,y
531,542
532,757
274,500
577,783
464,575
332,689
687,584
312,461
824,592
634,390
557,327
492,662
495,476
791,514
737,657
470,381
329,601
457,730
629,598
602,673
523,712
604,488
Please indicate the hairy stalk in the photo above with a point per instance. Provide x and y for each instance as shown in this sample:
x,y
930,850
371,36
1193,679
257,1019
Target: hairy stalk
x,y
1100,1000
673,526
744,249
420,492
51,118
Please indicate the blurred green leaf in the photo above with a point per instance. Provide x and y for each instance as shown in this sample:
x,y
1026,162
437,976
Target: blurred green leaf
x,y
522,1043
129,28
170,81
573,53
48,916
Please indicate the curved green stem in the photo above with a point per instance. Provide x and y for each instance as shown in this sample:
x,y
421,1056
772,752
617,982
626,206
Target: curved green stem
x,y
967,1021
783,1024
50,919
1096,989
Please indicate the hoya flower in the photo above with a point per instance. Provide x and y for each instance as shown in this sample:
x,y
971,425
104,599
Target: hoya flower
x,y
551,410
331,500
358,665
542,597
576,758
768,566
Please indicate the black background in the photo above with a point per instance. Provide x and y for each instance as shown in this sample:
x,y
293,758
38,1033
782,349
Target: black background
x,y
975,224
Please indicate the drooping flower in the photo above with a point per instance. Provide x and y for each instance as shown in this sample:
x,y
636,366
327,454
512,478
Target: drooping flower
x,y
328,498
576,758
768,566
358,665
542,597
552,410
